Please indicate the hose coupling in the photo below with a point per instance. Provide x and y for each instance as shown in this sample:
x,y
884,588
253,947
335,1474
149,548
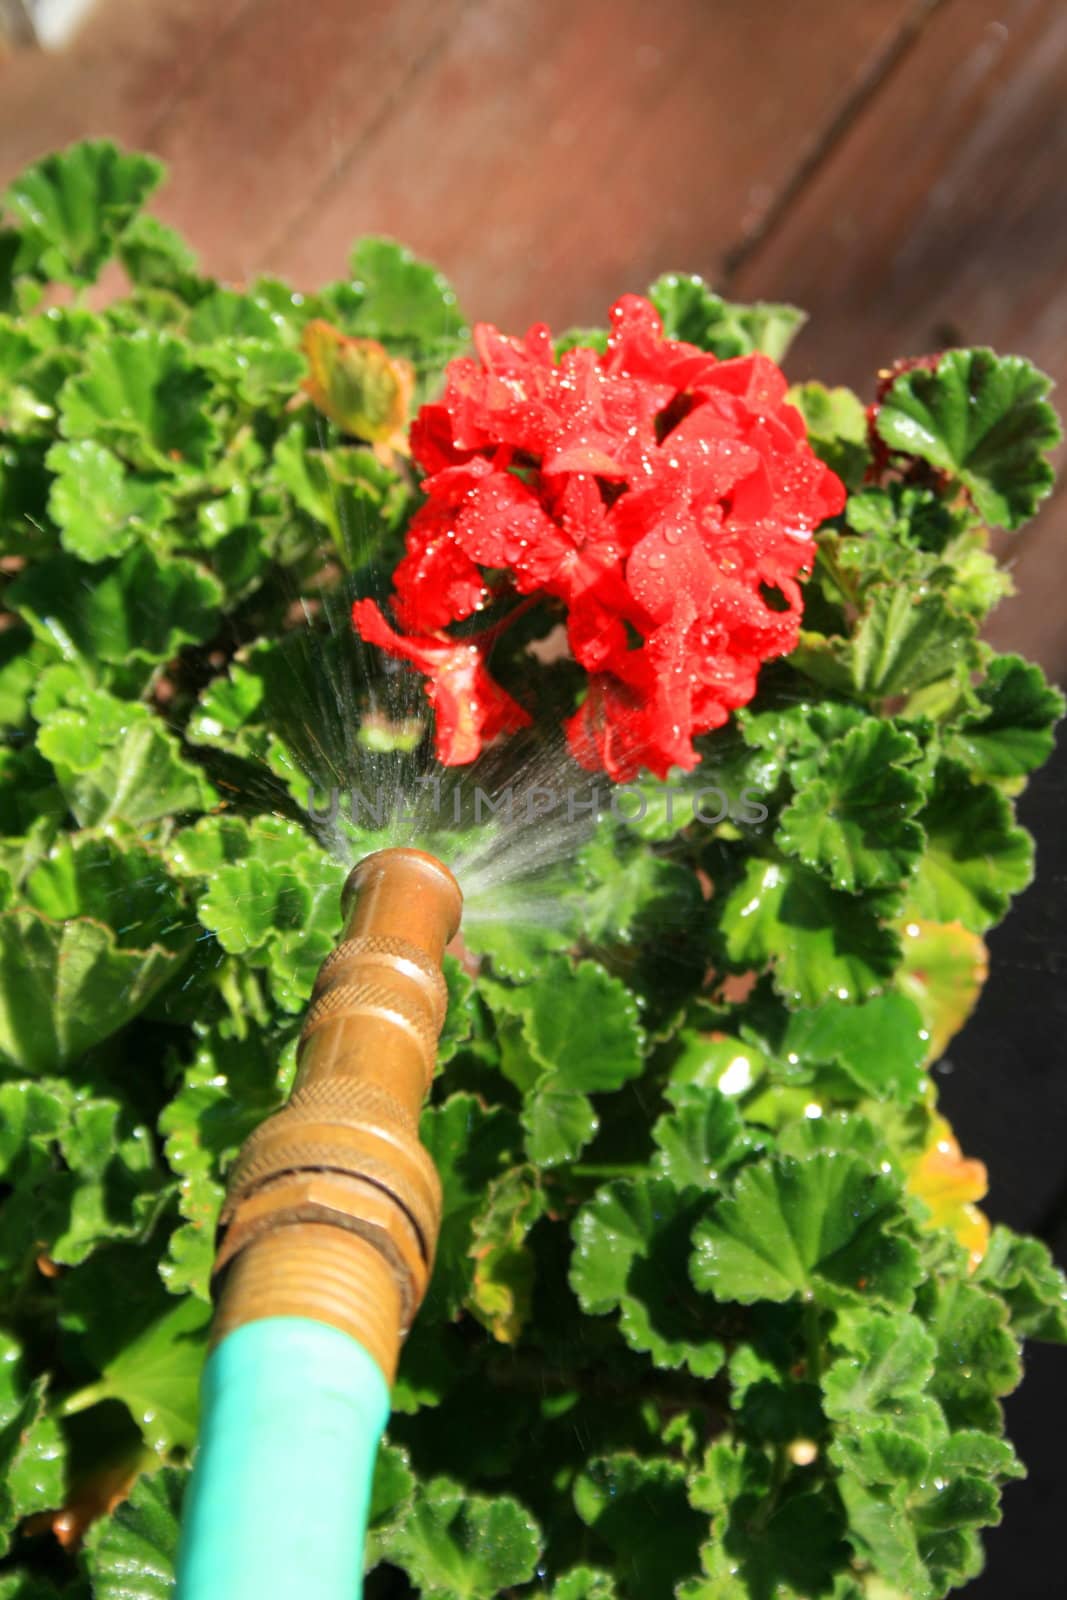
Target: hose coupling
x,y
333,1206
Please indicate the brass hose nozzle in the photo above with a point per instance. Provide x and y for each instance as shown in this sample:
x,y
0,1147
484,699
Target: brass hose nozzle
x,y
333,1206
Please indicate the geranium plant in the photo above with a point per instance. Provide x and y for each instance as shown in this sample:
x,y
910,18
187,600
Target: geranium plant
x,y
716,1312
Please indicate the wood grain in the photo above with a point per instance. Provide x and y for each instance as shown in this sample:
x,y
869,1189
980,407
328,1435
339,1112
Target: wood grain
x,y
555,155
941,217
125,71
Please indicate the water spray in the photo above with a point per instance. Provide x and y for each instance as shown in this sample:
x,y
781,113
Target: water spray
x,y
326,1245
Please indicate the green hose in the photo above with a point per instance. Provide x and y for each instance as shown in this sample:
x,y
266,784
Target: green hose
x,y
292,1413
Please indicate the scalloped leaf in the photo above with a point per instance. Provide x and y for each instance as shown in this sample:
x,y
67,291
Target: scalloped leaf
x,y
121,621
638,1508
100,511
975,857
852,820
131,1554
632,1244
826,1226
141,395
905,642
156,1376
984,419
459,1546
407,304
977,1356
73,207
66,986
818,940
692,311
1023,1272
114,761
1013,730
32,1449
882,1044
836,421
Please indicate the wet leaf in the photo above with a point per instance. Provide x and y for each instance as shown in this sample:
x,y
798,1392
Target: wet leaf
x,y
827,1226
459,1546
985,420
131,1554
142,396
632,1246
944,968
818,940
73,207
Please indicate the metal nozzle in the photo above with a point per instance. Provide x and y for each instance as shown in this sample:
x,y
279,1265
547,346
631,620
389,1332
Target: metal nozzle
x,y
333,1206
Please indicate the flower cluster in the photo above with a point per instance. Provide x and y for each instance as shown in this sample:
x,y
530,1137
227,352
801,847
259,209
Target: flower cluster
x,y
664,500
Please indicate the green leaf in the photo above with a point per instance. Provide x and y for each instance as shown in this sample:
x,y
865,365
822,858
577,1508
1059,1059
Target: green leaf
x,y
581,1024
131,1554
256,372
701,1139
638,1509
65,986
31,1445
1023,1272
229,1088
692,311
882,1044
1012,732
157,1377
977,1356
120,621
406,304
826,1226
141,395
585,1583
983,419
631,1248
975,857
580,1029
907,641
820,941
117,882
224,316
115,1189
459,1546
851,820
470,1146
273,896
73,207
156,257
391,1490
886,1425
559,1123
764,1548
837,429
114,761
100,510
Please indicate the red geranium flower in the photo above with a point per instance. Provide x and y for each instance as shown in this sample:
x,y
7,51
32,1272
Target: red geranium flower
x,y
665,499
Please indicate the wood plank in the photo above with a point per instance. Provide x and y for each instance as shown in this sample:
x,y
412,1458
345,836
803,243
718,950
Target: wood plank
x,y
127,66
555,155
274,113
941,217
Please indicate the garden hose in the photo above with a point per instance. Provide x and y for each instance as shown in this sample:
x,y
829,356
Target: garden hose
x,y
326,1244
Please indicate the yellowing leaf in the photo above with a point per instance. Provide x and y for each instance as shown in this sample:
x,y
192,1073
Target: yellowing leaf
x,y
358,385
945,966
948,1183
